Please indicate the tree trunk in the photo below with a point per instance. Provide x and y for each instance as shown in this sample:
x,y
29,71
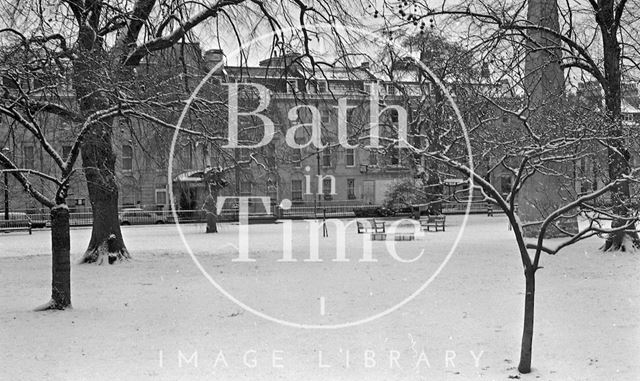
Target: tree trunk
x,y
61,262
527,332
98,160
617,153
210,207
212,223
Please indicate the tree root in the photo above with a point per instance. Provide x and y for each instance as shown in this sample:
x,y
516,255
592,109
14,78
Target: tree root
x,y
628,242
105,252
52,305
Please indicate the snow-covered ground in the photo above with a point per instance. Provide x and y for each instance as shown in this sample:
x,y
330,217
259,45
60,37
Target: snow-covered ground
x,y
157,315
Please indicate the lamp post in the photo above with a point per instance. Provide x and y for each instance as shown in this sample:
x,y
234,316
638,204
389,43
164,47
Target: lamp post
x,y
6,190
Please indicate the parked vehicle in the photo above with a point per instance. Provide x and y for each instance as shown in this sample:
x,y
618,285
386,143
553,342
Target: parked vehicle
x,y
372,211
137,216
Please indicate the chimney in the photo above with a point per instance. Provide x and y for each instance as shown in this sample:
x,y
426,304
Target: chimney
x,y
212,57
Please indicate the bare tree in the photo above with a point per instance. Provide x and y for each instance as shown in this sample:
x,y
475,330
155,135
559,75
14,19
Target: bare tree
x,y
103,43
573,132
31,85
594,42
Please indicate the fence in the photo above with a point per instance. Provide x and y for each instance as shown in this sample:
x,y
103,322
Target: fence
x,y
330,209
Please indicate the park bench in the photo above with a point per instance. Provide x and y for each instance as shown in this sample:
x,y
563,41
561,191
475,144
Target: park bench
x,y
372,226
16,222
393,236
437,222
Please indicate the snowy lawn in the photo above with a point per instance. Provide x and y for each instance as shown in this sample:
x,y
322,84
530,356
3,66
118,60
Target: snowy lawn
x,y
158,317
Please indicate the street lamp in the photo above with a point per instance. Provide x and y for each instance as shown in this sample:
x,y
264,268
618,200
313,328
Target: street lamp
x,y
6,190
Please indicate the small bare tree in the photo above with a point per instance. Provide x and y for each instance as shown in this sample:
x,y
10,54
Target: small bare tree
x,y
29,87
573,132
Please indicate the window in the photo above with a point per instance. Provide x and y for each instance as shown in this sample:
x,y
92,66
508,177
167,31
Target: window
x,y
351,189
296,190
327,184
297,158
395,156
29,157
351,159
390,89
584,187
66,150
373,158
128,192
583,166
161,196
127,157
326,157
324,114
272,190
393,113
245,188
505,184
322,86
292,86
244,155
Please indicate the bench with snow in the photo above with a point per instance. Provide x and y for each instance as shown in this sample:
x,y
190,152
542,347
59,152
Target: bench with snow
x,y
393,236
370,226
436,222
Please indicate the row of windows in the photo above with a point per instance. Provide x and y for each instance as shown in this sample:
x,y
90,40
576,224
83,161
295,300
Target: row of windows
x,y
297,189
350,158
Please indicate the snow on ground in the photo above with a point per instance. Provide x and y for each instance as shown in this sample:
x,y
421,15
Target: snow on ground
x,y
151,317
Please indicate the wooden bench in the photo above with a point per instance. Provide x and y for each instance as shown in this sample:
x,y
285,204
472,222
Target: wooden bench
x,y
395,236
370,226
437,222
14,224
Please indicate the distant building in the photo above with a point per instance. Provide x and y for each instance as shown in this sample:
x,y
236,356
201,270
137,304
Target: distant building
x,y
306,176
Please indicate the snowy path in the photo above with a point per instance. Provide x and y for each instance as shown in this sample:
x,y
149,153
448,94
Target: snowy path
x,y
145,319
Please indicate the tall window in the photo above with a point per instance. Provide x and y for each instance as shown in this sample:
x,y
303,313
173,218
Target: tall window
x,y
161,196
351,189
393,113
292,85
127,157
373,158
29,157
245,188
324,116
322,86
326,157
296,190
244,154
505,184
272,190
297,158
351,159
66,150
326,188
395,156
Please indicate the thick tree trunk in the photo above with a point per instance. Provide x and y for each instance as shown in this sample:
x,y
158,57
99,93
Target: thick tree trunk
x,y
98,158
618,155
98,161
210,207
527,332
212,223
61,262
